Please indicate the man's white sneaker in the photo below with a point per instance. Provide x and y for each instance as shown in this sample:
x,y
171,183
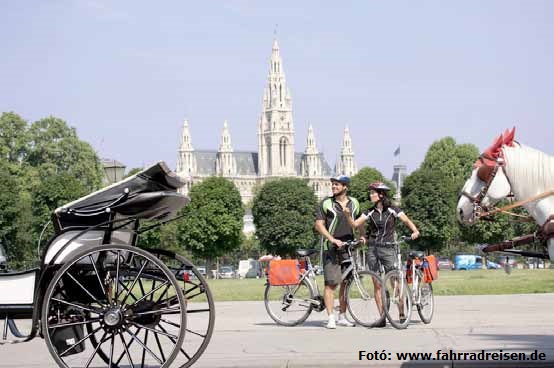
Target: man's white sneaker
x,y
345,322
331,324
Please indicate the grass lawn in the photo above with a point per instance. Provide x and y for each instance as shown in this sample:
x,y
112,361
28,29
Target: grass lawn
x,y
476,282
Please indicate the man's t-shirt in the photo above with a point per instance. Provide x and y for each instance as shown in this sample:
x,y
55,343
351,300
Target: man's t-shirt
x,y
336,223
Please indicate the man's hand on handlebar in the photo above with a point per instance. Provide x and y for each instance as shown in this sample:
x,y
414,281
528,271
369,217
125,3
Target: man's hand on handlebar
x,y
415,235
338,243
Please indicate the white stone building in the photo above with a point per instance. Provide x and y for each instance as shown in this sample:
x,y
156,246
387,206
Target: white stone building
x,y
275,157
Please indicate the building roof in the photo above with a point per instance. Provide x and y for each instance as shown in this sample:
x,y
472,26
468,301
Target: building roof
x,y
247,163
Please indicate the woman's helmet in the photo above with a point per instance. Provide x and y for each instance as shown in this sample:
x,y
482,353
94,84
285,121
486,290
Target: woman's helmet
x,y
378,186
341,179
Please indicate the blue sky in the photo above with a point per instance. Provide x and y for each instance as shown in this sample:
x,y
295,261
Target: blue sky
x,y
127,73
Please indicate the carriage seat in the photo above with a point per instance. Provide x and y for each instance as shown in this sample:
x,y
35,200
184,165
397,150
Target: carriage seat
x,y
17,288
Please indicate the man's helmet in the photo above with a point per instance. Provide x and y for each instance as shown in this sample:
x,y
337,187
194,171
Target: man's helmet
x,y
378,186
341,179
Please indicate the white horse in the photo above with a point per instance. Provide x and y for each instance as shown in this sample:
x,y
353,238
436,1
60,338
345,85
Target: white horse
x,y
505,168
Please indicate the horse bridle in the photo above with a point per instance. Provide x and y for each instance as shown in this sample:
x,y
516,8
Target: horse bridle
x,y
486,174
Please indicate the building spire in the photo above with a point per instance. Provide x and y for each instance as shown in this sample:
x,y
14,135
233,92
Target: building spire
x,y
186,164
186,144
346,164
225,145
225,162
311,148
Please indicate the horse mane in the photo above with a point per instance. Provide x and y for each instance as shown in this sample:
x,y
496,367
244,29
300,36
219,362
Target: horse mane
x,y
530,171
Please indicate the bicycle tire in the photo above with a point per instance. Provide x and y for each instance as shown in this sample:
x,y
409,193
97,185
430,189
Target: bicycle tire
x,y
399,295
287,308
362,303
426,299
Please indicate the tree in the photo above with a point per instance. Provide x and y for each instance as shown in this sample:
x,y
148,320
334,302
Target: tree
x,y
429,194
213,221
360,181
429,199
283,213
41,167
13,138
54,148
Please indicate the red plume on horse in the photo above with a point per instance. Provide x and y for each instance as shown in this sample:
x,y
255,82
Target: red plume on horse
x,y
509,169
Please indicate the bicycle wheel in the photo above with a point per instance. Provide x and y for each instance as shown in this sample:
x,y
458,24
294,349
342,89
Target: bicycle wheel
x,y
289,305
399,299
360,298
426,304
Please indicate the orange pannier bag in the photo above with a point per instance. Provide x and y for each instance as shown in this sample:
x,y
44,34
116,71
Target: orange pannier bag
x,y
284,272
430,270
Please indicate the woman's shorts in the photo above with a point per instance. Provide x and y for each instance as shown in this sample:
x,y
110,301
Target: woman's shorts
x,y
384,255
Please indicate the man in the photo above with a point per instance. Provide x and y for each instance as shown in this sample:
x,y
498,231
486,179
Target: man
x,y
335,229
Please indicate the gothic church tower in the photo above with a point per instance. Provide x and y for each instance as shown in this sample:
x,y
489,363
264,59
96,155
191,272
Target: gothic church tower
x,y
346,164
225,162
186,163
275,127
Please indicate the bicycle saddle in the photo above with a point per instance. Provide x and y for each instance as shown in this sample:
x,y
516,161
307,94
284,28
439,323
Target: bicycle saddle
x,y
416,254
306,252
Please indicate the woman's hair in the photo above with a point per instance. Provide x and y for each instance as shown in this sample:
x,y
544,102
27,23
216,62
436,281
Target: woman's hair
x,y
384,198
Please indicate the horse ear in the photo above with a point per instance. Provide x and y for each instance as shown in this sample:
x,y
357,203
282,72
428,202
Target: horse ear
x,y
509,137
494,149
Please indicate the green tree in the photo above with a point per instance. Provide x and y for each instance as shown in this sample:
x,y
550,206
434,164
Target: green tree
x,y
13,138
360,181
41,167
283,213
213,221
55,149
429,198
429,194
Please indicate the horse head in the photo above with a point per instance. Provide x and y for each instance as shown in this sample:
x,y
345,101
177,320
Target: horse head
x,y
488,183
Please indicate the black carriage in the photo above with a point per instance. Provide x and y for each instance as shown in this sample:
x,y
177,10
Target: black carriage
x,y
99,300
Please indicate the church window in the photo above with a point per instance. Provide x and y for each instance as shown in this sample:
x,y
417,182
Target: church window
x,y
283,151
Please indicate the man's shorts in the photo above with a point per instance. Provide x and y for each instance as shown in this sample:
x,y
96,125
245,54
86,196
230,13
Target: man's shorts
x,y
385,255
333,266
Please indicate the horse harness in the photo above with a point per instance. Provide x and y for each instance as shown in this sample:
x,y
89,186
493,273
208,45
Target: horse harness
x,y
486,173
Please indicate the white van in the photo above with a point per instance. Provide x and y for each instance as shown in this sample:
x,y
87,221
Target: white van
x,y
250,268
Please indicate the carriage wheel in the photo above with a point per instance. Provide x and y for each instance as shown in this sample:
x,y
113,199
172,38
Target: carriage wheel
x,y
130,302
200,306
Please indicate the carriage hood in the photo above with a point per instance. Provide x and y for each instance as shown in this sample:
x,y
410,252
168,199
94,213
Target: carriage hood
x,y
149,194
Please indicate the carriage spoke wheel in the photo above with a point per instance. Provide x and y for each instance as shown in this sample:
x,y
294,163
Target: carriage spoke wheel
x,y
114,306
200,307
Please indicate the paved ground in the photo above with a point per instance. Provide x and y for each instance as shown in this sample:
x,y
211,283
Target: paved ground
x,y
246,337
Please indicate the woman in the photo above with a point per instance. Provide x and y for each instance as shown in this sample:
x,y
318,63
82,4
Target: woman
x,y
381,222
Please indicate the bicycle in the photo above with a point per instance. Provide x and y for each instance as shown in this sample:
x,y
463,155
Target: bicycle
x,y
398,292
290,305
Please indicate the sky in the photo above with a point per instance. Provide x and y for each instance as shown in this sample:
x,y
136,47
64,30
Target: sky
x,y
126,74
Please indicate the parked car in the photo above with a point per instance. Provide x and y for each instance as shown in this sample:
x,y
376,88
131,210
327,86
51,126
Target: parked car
x,y
535,263
250,268
444,263
226,272
202,270
472,262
